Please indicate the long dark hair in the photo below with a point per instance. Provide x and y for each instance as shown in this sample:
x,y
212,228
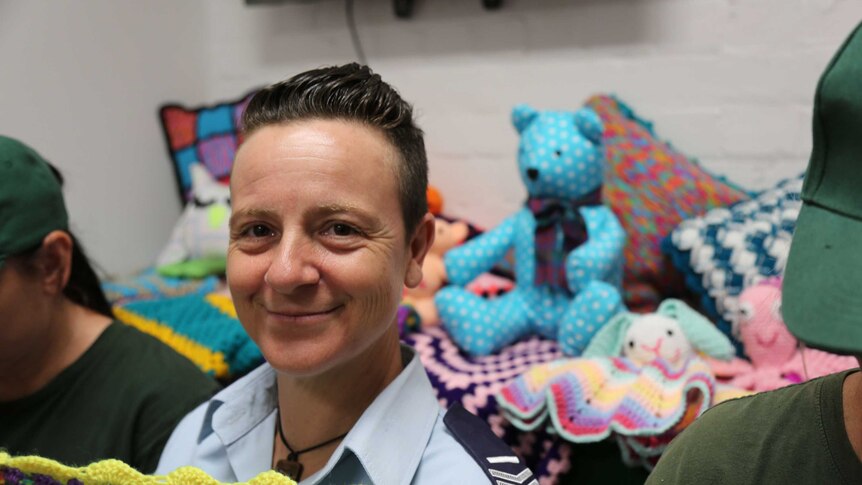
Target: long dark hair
x,y
84,286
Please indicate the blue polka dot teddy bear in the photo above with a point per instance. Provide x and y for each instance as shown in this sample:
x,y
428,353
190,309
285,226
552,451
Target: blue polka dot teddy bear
x,y
567,245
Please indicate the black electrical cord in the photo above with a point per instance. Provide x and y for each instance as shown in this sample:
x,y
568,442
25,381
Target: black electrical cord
x,y
354,34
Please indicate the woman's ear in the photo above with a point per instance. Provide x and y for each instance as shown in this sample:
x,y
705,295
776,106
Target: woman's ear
x,y
420,243
54,261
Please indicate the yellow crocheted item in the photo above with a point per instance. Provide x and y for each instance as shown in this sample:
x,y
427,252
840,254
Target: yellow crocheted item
x,y
224,303
206,359
115,472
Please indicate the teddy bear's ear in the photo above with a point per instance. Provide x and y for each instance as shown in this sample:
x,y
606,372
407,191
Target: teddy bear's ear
x,y
702,334
608,341
589,123
522,116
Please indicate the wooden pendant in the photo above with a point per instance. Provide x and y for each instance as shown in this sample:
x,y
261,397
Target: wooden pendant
x,y
290,467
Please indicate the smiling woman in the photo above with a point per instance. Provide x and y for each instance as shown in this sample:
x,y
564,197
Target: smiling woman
x,y
321,287
330,223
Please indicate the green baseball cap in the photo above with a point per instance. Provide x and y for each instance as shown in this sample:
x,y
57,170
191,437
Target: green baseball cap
x,y
31,199
822,289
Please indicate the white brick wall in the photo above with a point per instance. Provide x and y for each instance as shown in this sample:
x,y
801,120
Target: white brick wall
x,y
81,82
728,81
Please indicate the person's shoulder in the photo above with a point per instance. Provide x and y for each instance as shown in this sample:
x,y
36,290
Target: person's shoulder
x,y
721,442
463,449
146,362
736,415
147,351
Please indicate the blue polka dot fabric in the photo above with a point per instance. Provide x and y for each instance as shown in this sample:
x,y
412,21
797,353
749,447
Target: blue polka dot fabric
x,y
560,158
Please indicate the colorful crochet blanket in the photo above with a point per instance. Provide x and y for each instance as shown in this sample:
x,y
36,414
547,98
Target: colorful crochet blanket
x,y
150,285
35,470
474,381
201,326
591,399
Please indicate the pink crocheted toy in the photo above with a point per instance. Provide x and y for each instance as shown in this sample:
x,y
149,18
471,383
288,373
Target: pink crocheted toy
x,y
776,360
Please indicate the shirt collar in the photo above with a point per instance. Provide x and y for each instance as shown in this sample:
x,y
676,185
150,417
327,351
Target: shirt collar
x,y
242,406
390,437
243,419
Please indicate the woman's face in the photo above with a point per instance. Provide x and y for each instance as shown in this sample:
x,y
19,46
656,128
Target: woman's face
x,y
318,254
23,309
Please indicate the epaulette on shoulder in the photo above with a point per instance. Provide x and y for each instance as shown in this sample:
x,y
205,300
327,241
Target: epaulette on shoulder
x,y
493,456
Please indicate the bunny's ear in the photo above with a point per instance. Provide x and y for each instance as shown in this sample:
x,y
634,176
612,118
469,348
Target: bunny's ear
x,y
702,334
608,341
522,116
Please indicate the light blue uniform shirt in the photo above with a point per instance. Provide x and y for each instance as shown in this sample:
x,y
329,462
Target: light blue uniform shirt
x,y
399,439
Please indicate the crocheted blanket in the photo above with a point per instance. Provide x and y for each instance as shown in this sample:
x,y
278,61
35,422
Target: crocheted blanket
x,y
202,327
591,399
474,381
35,470
149,285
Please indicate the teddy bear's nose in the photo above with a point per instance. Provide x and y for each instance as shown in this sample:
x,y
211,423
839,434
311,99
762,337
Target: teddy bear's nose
x,y
532,173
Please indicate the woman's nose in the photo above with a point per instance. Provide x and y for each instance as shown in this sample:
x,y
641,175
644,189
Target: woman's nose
x,y
295,266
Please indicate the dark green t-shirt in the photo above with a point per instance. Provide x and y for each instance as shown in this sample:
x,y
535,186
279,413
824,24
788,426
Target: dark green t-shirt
x,y
121,399
791,435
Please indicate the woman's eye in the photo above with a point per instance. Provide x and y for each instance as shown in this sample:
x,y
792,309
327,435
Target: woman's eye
x,y
342,230
259,230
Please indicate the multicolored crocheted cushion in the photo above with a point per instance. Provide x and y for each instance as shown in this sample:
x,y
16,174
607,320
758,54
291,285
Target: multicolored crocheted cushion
x,y
202,327
35,470
590,399
205,134
651,187
473,381
729,249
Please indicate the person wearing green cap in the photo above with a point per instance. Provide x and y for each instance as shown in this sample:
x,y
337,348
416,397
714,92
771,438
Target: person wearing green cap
x,y
810,432
75,385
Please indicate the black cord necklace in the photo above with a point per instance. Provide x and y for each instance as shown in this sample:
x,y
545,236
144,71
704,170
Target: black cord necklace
x,y
291,466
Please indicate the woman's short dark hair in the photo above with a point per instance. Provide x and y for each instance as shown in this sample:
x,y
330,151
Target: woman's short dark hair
x,y
351,92
84,286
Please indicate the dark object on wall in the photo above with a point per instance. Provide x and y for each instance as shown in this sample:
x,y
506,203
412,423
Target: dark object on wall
x,y
404,8
273,2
